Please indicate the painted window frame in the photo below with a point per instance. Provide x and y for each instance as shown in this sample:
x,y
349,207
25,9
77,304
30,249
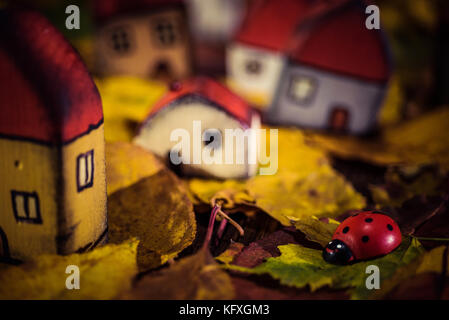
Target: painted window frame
x,y
130,37
157,33
26,196
260,70
90,181
307,101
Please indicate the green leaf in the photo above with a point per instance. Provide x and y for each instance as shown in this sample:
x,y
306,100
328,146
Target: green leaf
x,y
299,266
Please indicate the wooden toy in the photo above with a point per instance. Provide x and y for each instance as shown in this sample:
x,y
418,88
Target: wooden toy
x,y
336,76
205,110
366,235
257,54
52,166
145,38
215,21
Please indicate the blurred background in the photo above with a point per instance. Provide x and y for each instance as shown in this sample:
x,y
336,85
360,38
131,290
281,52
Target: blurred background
x,y
416,29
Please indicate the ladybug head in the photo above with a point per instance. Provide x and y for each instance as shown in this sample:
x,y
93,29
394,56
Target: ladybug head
x,y
337,252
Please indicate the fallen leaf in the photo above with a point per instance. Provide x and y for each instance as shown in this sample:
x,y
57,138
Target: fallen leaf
x,y
424,269
262,289
300,266
433,261
104,273
229,254
126,102
196,277
304,185
158,212
127,163
420,141
316,230
392,108
258,251
402,183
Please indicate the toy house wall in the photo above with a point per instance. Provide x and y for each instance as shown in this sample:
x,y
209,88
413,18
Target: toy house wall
x,y
155,136
145,49
33,169
360,99
257,86
85,218
215,20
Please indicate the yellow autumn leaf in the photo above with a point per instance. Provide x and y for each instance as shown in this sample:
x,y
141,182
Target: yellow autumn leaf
x,y
314,229
126,102
305,184
391,111
147,201
419,141
127,163
158,212
104,273
433,261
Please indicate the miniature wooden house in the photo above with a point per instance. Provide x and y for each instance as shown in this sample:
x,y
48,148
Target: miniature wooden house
x,y
215,21
336,76
257,56
145,38
52,169
212,107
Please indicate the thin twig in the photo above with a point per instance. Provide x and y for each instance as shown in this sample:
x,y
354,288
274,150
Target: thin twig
x,y
235,224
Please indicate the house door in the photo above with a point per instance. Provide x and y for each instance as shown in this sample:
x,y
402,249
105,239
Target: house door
x,y
339,119
4,249
162,71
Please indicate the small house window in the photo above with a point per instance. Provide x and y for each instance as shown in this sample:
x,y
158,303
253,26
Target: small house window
x,y
302,89
253,67
120,40
165,32
26,207
85,170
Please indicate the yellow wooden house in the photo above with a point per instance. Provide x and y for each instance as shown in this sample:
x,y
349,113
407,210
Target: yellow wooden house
x,y
52,165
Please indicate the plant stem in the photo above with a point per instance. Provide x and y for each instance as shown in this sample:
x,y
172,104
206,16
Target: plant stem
x,y
210,228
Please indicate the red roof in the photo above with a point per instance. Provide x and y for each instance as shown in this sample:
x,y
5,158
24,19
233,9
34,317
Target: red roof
x,y
341,43
47,94
107,9
211,90
271,23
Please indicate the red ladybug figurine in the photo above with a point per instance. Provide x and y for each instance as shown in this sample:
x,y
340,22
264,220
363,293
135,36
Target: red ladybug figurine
x,y
366,235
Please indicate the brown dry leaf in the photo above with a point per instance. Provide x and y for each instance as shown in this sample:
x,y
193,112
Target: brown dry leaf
x,y
104,273
419,141
127,163
157,211
304,185
196,277
229,254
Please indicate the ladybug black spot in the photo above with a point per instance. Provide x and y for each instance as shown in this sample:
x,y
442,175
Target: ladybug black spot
x,y
390,227
369,220
365,239
345,229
